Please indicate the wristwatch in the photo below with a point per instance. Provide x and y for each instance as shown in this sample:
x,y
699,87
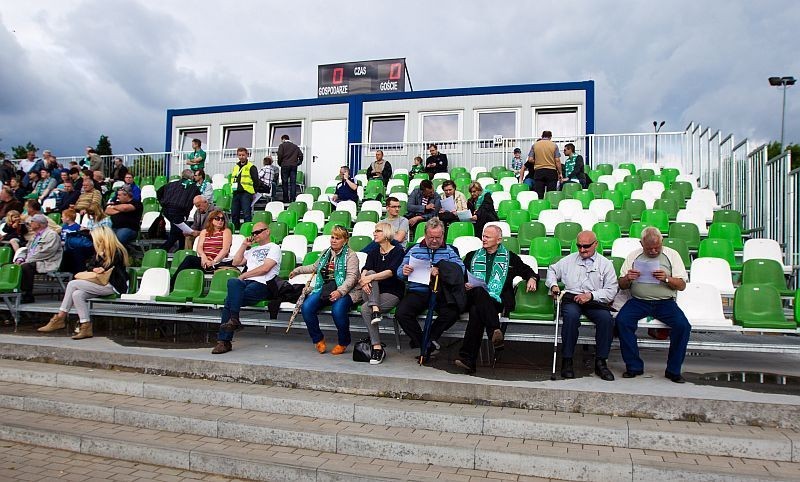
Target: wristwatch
x,y
666,280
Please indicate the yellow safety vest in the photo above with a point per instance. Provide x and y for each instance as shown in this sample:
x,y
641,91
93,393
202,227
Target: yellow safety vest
x,y
245,180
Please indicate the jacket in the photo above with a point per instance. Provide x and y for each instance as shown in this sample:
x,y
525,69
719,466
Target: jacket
x,y
415,206
48,252
177,199
516,267
245,177
451,285
350,285
289,154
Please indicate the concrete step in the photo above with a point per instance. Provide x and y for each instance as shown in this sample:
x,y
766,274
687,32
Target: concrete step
x,y
545,427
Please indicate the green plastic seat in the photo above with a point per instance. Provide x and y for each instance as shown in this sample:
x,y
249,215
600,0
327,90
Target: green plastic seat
x,y
728,216
330,190
367,216
226,189
151,208
515,189
153,258
621,218
357,243
374,189
635,231
656,217
288,263
219,287
505,207
670,174
797,307
397,189
517,218
633,180
10,277
323,206
669,206
496,170
730,231
177,259
343,218
299,207
56,217
645,174
536,206
512,244
566,232
149,200
687,232
598,189
159,181
767,272
535,305
680,246
315,191
759,306
530,230
289,218
307,229
277,231
188,286
660,178
684,187
606,233
617,262
555,197
626,188
718,248
629,166
546,250
675,195
594,174
419,231
456,229
6,253
584,196
635,207
458,171
570,188
262,217
615,197
225,202
246,229
494,187
606,169
311,257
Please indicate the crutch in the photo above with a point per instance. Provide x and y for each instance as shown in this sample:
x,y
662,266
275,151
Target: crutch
x,y
555,337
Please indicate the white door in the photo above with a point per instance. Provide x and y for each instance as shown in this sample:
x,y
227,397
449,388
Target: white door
x,y
328,151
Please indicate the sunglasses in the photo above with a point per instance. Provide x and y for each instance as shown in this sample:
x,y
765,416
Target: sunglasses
x,y
258,231
585,246
219,218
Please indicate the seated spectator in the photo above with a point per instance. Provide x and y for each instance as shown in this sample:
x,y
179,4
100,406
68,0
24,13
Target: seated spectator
x,y
32,208
18,189
137,192
90,195
416,167
202,209
77,179
497,267
68,197
213,246
204,185
573,168
423,204
126,215
257,283
7,171
78,247
434,250
33,185
449,188
68,225
8,202
111,256
481,205
14,231
398,223
335,284
41,255
381,288
347,189
45,186
380,169
120,171
100,182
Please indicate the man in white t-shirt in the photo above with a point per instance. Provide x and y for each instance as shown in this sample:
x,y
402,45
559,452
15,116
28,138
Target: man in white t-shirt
x,y
254,285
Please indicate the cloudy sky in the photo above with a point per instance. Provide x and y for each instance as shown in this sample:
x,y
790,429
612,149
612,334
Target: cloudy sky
x,y
72,70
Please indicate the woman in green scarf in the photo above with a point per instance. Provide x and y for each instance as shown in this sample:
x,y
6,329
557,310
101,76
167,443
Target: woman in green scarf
x,y
335,284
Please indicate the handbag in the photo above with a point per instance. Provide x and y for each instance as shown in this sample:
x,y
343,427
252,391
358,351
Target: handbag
x,y
362,350
97,278
328,288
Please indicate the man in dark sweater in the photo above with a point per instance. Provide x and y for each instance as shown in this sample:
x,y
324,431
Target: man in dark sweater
x,y
289,157
436,162
176,202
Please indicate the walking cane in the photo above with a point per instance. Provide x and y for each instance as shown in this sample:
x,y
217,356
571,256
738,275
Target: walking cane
x,y
426,331
555,338
299,303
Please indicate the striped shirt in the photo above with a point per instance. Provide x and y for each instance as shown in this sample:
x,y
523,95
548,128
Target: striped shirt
x,y
420,251
212,245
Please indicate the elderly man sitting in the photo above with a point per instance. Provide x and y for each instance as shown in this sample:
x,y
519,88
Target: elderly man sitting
x,y
42,255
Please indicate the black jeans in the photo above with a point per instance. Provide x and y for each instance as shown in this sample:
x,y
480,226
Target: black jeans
x,y
544,179
26,284
289,181
483,315
413,304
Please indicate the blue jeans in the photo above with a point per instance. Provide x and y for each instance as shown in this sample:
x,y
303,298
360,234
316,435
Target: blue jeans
x,y
604,329
125,235
340,309
240,205
666,311
240,293
528,182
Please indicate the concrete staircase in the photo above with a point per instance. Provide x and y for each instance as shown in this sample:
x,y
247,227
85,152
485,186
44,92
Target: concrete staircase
x,y
276,433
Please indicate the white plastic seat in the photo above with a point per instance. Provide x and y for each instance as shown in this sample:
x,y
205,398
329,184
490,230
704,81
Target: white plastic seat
x,y
507,182
49,203
504,227
702,305
687,178
530,261
762,248
374,206
148,191
325,197
500,196
646,196
275,207
155,282
609,180
601,207
147,220
394,182
400,170
525,197
652,165
698,218
622,247
442,175
467,244
308,199
705,195
236,242
218,184
585,218
702,206
364,228
550,217
473,173
654,187
297,244
362,260
315,216
413,184
569,207
321,243
219,178
713,271
361,179
349,206
620,174
400,196
331,183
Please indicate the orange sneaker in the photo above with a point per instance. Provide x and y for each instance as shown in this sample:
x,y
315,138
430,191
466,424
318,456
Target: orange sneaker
x,y
321,347
338,350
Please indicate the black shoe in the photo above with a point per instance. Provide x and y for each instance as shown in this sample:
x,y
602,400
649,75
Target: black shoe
x,y
630,374
468,368
602,371
378,355
675,378
566,368
232,325
376,317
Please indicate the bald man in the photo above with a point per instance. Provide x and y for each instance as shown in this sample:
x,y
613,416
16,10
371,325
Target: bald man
x,y
590,283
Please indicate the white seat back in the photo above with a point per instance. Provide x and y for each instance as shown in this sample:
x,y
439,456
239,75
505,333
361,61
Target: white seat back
x,y
687,178
348,206
504,227
762,248
155,282
620,174
147,220
362,260
401,196
569,207
413,184
698,218
148,191
654,187
525,197
507,182
373,205
401,170
646,196
702,206
712,271
236,242
467,244
651,165
609,180
442,175
308,199
297,244
500,196
315,216
321,243
394,182
364,228
585,218
705,195
477,170
275,207
530,261
702,305
622,247
550,217
361,179
601,207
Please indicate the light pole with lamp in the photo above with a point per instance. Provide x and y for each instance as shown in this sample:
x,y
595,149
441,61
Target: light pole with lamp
x,y
657,127
782,82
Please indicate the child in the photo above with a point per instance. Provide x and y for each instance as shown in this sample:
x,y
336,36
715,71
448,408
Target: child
x,y
69,226
416,168
516,162
14,230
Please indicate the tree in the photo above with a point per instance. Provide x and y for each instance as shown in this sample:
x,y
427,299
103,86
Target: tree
x,y
104,146
21,152
775,148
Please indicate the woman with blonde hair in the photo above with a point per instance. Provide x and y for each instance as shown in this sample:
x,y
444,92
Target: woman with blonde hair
x,y
106,274
336,284
14,230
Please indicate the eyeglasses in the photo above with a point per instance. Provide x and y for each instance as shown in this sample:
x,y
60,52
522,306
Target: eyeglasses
x,y
585,246
219,218
259,231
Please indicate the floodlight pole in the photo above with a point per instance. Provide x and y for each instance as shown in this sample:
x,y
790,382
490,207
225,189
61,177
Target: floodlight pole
x,y
657,127
784,82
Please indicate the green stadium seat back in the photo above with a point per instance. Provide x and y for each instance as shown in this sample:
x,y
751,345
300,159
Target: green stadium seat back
x,y
636,229
730,231
225,202
680,246
617,262
759,306
606,233
494,187
687,232
536,206
456,229
367,216
594,174
341,217
517,218
315,191
669,206
676,195
621,218
728,216
307,229
635,207
660,178
277,231
684,187
718,248
545,250
569,189
288,263
633,180
535,305
56,217
670,173
246,229
530,230
615,197
419,231
606,169
626,188
566,232
629,166
289,218
505,207
516,189
311,258
767,272
397,189
458,171
219,287
323,206
177,259
511,244
299,207
645,174
656,217
6,255
188,286
357,243
555,197
598,189
153,258
10,277
262,217
584,196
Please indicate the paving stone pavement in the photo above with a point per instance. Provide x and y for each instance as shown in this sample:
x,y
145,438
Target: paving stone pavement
x,y
23,462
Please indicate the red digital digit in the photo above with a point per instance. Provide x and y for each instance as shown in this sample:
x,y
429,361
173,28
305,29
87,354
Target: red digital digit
x,y
395,71
338,75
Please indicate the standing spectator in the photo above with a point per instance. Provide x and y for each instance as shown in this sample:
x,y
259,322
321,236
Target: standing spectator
x,y
126,215
176,202
347,189
243,182
423,204
289,157
268,179
543,165
94,160
436,162
380,169
30,164
200,219
8,202
7,171
42,255
119,171
196,159
204,184
90,196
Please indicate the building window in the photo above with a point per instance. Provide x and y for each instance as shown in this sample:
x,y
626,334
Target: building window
x,y
562,122
186,136
292,129
387,132
491,124
439,127
234,137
